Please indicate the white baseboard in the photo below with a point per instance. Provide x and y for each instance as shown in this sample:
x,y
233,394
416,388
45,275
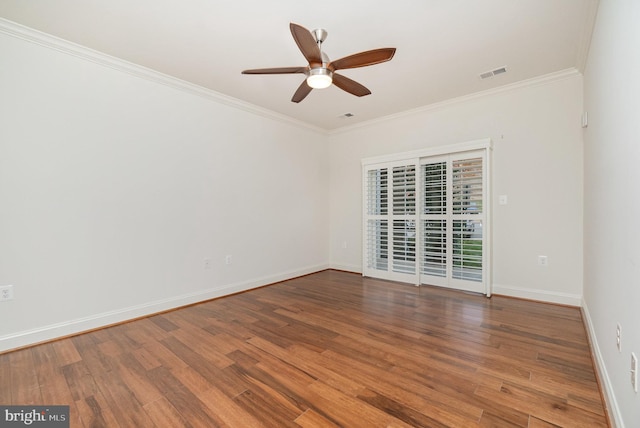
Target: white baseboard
x,y
615,417
540,295
346,268
75,326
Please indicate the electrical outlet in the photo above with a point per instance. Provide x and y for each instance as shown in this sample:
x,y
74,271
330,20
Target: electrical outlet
x,y
619,337
228,259
634,372
207,263
543,261
6,293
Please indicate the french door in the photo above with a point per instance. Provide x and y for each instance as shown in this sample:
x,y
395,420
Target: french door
x,y
425,221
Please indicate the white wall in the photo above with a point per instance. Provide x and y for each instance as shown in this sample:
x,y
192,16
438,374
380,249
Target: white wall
x,y
537,163
612,199
114,189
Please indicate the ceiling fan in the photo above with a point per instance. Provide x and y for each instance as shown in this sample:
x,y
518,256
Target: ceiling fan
x,y
321,72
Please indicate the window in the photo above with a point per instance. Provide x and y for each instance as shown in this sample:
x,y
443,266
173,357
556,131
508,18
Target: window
x,y
425,219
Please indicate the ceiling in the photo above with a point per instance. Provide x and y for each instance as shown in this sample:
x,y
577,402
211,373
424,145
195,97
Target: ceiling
x,y
442,45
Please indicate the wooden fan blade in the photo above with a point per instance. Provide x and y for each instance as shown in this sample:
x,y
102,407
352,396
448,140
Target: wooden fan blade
x,y
362,59
302,92
350,86
307,44
279,70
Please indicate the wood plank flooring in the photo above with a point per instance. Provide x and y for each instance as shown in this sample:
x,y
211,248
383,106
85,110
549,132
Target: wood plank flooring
x,y
326,350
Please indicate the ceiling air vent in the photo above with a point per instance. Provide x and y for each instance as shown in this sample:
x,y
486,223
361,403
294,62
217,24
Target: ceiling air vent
x,y
489,74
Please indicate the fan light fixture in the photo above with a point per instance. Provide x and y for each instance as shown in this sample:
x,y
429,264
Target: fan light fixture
x,y
319,78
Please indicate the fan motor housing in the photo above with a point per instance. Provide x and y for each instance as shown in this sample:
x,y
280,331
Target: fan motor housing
x,y
320,34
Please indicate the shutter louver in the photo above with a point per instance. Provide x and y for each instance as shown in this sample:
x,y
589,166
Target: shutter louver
x,y
435,188
434,248
467,252
434,209
467,186
404,189
404,246
377,192
378,245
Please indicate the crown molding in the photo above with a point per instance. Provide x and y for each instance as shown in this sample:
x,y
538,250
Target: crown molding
x,y
31,35
536,81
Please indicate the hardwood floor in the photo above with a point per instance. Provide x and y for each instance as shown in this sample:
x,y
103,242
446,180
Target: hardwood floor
x,y
329,349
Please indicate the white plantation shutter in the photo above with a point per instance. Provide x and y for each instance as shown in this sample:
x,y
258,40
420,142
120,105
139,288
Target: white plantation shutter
x,y
467,206
467,253
377,223
434,222
377,191
435,188
425,219
467,185
404,246
404,189
390,220
377,245
404,222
